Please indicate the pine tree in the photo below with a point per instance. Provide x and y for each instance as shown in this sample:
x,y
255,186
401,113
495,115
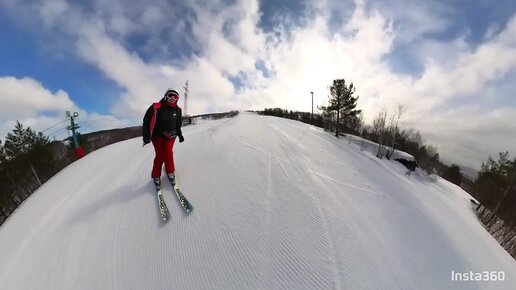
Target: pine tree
x,y
343,103
505,169
14,142
496,180
453,174
2,154
22,140
328,116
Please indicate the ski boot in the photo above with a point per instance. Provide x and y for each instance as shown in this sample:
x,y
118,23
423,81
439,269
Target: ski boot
x,y
172,178
157,183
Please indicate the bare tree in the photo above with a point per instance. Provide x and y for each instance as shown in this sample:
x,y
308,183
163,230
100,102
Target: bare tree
x,y
379,129
394,128
360,127
415,137
360,123
364,133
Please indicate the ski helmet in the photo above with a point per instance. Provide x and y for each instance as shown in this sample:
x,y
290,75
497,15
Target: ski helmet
x,y
171,94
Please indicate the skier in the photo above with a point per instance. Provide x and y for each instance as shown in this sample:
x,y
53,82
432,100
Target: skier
x,y
161,125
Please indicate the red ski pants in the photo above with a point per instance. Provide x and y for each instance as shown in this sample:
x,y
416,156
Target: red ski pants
x,y
163,148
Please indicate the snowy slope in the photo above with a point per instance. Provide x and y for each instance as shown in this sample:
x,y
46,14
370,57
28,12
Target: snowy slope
x,y
278,205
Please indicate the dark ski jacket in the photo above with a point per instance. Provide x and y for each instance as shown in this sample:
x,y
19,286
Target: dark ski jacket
x,y
162,119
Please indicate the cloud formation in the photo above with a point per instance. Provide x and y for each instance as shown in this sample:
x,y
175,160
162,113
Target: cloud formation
x,y
453,89
28,101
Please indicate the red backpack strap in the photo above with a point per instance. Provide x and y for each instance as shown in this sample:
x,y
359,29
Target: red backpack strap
x,y
156,106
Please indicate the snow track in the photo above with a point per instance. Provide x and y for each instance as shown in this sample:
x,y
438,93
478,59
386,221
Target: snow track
x,y
277,205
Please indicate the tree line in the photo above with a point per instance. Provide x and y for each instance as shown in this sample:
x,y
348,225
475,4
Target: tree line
x,y
26,162
20,141
28,159
494,186
342,117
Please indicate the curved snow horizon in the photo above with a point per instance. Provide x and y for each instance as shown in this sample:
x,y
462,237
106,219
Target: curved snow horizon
x,y
278,204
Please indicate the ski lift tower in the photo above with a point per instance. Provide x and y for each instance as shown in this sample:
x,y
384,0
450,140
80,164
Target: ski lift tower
x,y
73,126
186,97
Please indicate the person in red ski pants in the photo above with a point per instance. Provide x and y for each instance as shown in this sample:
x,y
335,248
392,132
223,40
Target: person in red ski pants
x,y
161,126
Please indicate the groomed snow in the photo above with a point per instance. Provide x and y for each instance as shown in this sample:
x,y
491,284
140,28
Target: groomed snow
x,y
278,205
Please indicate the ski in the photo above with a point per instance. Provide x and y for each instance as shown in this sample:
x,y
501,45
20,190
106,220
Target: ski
x,y
163,210
185,204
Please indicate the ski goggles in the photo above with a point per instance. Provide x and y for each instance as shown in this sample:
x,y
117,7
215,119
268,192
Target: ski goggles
x,y
172,96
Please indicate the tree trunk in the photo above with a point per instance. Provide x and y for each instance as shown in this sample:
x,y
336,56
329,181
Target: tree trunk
x,y
35,174
391,150
337,125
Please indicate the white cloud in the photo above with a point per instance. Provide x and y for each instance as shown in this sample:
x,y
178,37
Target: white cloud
x,y
51,10
415,19
493,29
28,101
23,97
152,17
472,132
229,43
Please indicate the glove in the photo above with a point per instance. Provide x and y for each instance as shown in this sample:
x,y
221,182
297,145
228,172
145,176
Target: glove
x,y
181,139
146,141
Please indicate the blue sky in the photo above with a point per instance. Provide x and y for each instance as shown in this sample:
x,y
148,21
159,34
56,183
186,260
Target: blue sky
x,y
451,63
24,54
